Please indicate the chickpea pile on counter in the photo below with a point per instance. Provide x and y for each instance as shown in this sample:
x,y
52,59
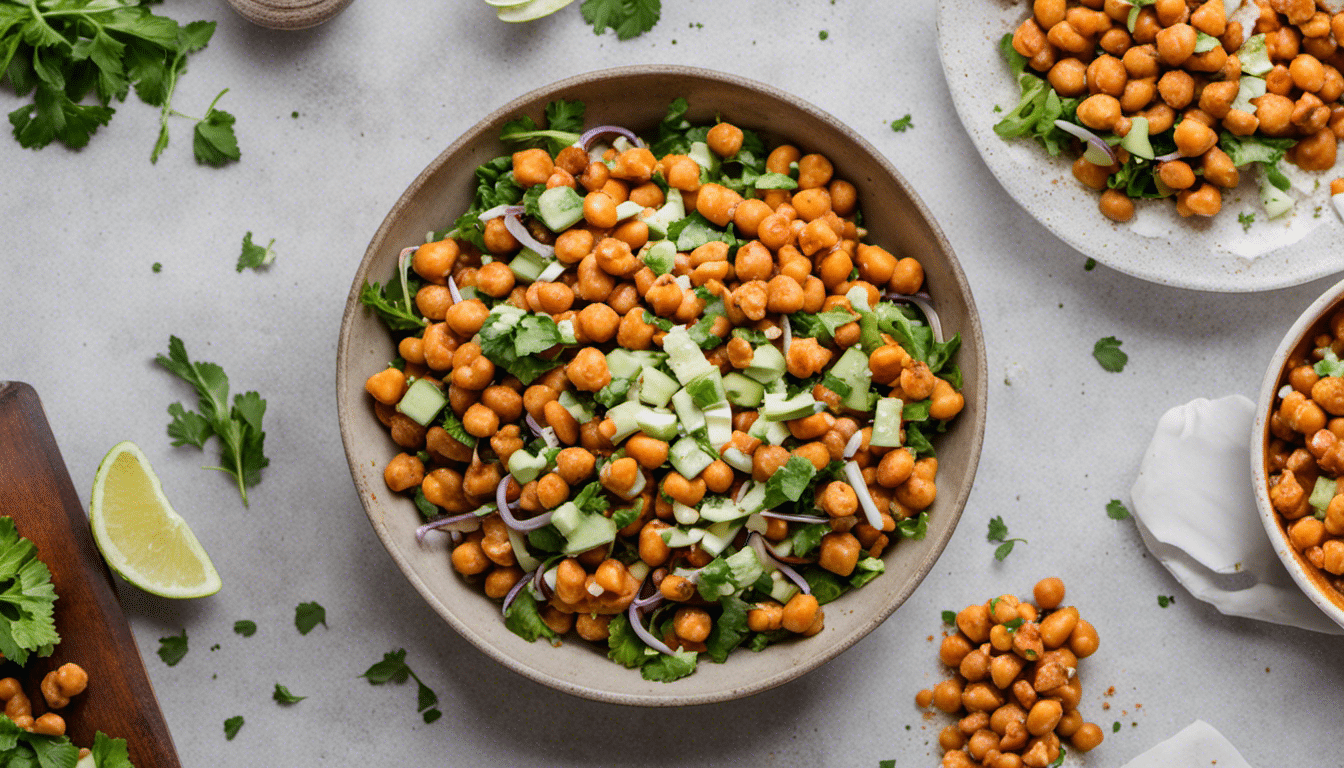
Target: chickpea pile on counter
x,y
1305,458
1017,687
1191,71
731,511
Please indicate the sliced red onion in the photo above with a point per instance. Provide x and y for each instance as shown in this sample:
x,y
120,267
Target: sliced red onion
x,y
855,476
434,525
406,252
852,447
637,624
1093,140
455,536
500,210
787,331
924,306
502,494
548,434
533,425
742,492
539,582
452,290
506,514
793,518
648,601
519,231
1167,158
513,593
764,551
592,134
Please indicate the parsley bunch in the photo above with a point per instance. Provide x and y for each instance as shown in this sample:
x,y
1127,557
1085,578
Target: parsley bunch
x,y
27,598
62,50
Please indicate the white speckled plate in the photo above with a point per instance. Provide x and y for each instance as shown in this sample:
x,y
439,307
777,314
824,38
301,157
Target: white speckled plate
x,y
1157,245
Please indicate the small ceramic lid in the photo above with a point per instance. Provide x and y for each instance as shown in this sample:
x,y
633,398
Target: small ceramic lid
x,y
288,14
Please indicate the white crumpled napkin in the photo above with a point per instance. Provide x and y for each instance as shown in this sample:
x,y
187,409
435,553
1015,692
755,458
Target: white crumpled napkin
x,y
1198,744
1197,515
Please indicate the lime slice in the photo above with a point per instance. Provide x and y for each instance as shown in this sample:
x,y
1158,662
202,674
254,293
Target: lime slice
x,y
139,534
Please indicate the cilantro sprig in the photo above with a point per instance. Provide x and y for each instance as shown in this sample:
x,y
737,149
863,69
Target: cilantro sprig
x,y
255,256
238,427
393,669
62,53
1108,354
283,696
309,615
173,648
998,532
27,598
627,18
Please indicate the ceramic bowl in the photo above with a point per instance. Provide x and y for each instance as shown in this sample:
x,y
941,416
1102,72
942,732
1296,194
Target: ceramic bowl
x,y
1296,346
637,97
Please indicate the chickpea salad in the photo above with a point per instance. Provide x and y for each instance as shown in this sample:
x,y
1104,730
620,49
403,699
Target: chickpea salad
x,y
658,392
1175,99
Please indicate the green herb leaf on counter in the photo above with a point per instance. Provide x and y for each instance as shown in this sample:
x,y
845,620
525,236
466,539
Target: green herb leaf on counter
x,y
1115,727
238,428
1245,220
1108,354
156,268
27,597
173,648
998,532
214,141
283,696
1165,600
949,617
309,615
888,763
1089,265
902,124
823,34
255,256
627,18
393,669
232,726
1116,510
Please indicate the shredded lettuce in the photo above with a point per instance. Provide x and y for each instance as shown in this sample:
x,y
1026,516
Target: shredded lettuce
x,y
789,482
513,339
564,123
1038,108
623,645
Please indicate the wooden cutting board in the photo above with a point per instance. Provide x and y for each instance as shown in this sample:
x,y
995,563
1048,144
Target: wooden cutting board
x,y
36,491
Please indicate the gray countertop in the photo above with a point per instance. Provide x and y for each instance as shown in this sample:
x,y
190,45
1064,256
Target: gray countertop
x,y
334,123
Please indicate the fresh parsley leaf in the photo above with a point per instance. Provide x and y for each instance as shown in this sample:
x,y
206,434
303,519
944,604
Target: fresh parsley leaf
x,y
1038,107
173,648
730,629
245,627
914,527
1165,600
283,696
888,763
393,669
109,752
156,268
1116,510
1089,265
1108,354
1115,727
22,749
27,598
238,428
805,538
789,482
1246,220
623,645
826,586
309,615
627,18
823,34
998,531
865,571
664,668
523,618
1329,364
949,617
214,142
903,124
232,726
513,339
255,256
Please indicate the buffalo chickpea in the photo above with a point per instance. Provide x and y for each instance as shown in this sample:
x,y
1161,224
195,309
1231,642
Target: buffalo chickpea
x,y
434,261
725,139
532,166
1116,205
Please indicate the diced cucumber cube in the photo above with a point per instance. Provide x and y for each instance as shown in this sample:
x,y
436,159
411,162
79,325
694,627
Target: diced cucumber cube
x,y
778,408
525,467
852,368
628,209
767,364
626,416
718,536
561,208
581,413
688,458
659,424
745,565
707,389
656,387
769,432
701,154
887,423
422,402
592,531
718,509
527,265
691,417
673,209
623,364
684,355
525,560
719,424
781,589
686,515
566,517
737,459
681,537
742,391
753,500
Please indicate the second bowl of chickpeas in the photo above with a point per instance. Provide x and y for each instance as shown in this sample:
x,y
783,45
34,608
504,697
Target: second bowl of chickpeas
x,y
637,98
1297,452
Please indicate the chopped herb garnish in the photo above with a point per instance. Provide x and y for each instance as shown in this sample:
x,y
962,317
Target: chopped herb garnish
x,y
949,617
1246,220
393,669
173,648
283,696
1165,600
255,256
1116,510
157,268
823,34
1108,354
232,726
1115,727
627,18
309,615
998,532
1089,265
902,124
238,428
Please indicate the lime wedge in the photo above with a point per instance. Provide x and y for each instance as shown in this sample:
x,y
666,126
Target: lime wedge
x,y
139,534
